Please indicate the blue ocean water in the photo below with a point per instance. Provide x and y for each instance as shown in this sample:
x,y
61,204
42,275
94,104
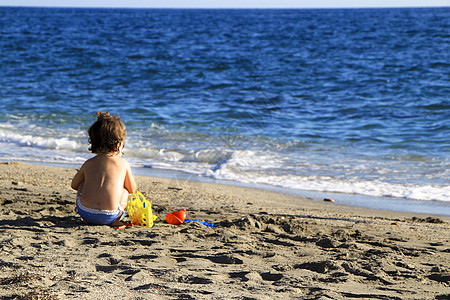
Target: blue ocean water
x,y
352,101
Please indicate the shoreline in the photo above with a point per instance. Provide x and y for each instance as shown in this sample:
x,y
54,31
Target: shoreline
x,y
400,205
267,245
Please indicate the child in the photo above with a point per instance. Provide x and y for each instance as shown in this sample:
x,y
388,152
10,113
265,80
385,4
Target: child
x,y
104,181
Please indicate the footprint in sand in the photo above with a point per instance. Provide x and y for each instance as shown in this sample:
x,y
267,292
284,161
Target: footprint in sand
x,y
194,279
226,259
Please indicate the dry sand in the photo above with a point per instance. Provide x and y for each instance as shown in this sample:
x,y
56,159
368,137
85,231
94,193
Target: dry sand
x,y
266,246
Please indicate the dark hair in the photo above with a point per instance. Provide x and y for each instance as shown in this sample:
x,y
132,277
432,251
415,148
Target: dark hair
x,y
106,133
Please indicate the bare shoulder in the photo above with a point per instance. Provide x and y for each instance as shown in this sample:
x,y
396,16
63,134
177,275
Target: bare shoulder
x,y
123,162
90,161
118,161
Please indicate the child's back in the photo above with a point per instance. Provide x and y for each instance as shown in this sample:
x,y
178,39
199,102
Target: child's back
x,y
105,177
104,181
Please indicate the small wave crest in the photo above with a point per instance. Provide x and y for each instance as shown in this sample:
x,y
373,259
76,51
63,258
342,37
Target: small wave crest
x,y
249,167
43,142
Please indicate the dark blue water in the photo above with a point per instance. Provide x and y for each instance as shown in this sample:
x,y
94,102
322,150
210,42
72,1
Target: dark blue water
x,y
350,101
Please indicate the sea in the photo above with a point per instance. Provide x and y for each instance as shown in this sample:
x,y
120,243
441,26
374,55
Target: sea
x,y
349,104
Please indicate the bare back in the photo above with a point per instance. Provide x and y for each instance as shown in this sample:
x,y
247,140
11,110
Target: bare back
x,y
105,179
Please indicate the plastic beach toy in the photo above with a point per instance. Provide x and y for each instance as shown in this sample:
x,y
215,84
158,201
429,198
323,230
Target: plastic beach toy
x,y
140,210
177,217
201,222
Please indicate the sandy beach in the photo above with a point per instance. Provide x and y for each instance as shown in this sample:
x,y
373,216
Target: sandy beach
x,y
266,245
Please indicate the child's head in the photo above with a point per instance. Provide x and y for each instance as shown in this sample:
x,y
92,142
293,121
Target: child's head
x,y
107,134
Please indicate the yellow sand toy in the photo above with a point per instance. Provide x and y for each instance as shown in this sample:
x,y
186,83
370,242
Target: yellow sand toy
x,y
140,210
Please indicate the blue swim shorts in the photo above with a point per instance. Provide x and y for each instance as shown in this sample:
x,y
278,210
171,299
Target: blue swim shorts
x,y
96,216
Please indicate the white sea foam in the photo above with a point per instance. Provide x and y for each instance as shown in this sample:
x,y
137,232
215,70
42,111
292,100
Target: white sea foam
x,y
255,167
320,173
327,184
44,142
246,166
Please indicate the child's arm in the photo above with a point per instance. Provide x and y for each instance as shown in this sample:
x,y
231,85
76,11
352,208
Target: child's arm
x,y
78,179
129,184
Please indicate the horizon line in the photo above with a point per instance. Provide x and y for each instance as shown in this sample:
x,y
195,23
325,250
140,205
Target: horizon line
x,y
218,8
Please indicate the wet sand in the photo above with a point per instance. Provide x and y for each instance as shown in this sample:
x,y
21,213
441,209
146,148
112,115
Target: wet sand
x,y
266,245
